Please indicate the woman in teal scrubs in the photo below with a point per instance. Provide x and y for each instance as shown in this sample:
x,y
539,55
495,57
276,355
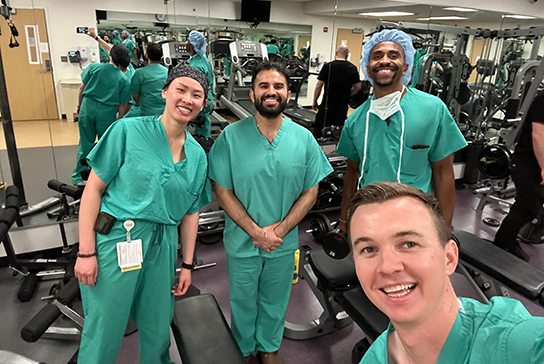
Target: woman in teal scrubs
x,y
196,46
104,92
149,174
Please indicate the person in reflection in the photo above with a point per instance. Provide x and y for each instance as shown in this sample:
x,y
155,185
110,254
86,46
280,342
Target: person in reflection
x,y
148,175
147,82
196,46
104,92
404,256
266,171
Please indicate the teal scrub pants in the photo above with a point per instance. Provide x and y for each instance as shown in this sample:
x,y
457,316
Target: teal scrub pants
x,y
94,119
259,294
145,294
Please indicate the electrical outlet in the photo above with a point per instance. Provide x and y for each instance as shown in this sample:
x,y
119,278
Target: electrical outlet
x,y
64,58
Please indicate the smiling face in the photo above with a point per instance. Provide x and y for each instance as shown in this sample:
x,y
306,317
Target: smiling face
x,y
386,64
400,262
270,93
184,99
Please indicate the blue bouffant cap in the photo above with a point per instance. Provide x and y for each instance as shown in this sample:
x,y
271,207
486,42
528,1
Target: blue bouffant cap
x,y
390,35
198,41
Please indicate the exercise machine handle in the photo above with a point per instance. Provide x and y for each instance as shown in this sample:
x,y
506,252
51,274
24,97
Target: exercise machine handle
x,y
72,191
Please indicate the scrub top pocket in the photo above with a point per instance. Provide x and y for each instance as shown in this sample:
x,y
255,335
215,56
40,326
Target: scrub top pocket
x,y
414,161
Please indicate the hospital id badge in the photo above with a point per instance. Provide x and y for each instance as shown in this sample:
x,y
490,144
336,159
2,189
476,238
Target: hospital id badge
x,y
129,255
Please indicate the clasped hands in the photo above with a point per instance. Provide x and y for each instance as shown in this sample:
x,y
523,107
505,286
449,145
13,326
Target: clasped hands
x,y
267,239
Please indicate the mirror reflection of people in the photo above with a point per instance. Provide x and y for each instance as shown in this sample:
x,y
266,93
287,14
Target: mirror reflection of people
x,y
116,37
196,46
147,82
266,171
127,42
404,256
104,93
104,54
528,176
400,134
148,173
134,108
273,48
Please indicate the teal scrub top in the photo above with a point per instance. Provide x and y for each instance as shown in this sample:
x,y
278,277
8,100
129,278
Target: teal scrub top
x,y
428,124
130,45
286,50
116,40
148,82
501,332
134,159
201,63
129,74
266,178
104,55
106,84
272,49
418,58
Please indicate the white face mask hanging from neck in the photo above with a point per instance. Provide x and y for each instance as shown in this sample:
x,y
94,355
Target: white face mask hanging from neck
x,y
383,108
386,105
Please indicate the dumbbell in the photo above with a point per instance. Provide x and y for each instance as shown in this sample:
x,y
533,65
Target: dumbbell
x,y
334,241
324,198
319,227
336,132
336,183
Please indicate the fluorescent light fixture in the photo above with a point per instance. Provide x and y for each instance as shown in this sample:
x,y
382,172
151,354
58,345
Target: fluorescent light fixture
x,y
519,16
443,18
387,13
465,10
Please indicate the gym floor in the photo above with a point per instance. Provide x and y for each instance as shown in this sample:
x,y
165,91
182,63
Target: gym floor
x,y
303,307
47,149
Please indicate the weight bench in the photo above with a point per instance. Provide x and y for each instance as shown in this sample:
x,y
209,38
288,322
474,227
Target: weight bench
x,y
202,334
504,269
337,278
324,276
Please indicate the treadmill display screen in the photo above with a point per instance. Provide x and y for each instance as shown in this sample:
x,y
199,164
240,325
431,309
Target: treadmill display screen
x,y
247,49
181,48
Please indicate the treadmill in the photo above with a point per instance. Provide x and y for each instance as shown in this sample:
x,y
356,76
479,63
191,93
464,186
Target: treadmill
x,y
245,54
296,112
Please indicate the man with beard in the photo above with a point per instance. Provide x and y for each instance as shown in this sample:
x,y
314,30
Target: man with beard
x,y
266,171
401,134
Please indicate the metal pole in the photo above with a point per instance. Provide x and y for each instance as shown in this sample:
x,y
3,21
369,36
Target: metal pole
x,y
10,136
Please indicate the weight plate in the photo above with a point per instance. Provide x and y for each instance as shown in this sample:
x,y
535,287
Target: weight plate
x,y
494,161
320,226
336,244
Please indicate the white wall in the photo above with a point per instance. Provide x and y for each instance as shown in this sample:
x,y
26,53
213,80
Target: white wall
x,y
63,16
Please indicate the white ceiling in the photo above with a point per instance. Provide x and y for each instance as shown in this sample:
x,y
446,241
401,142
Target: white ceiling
x,y
350,8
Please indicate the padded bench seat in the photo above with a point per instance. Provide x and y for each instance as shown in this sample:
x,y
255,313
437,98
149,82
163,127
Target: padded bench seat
x,y
202,334
333,274
501,266
357,305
